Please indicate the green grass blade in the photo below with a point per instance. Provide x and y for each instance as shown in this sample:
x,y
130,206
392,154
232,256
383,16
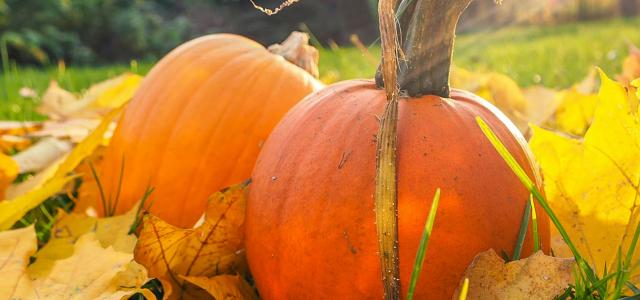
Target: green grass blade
x,y
632,246
528,183
120,179
522,234
624,267
417,267
508,158
534,225
138,220
103,199
465,290
633,288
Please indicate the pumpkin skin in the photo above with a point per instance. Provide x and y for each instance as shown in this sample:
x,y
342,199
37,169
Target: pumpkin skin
x,y
310,231
197,123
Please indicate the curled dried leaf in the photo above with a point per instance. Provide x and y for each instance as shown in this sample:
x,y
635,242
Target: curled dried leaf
x,y
214,248
536,277
225,287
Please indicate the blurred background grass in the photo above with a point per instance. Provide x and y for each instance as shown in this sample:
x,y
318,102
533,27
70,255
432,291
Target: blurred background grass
x,y
552,55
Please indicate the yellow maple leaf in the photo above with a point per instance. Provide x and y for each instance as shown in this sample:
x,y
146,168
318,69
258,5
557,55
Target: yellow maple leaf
x,y
116,91
575,112
12,210
535,277
224,286
214,248
592,184
68,228
88,145
496,88
9,169
636,84
58,103
92,272
42,187
16,246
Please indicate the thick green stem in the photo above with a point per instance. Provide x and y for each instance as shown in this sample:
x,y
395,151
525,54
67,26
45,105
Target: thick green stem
x,y
428,28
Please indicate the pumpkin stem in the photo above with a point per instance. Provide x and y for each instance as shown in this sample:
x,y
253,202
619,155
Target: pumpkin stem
x,y
296,50
428,28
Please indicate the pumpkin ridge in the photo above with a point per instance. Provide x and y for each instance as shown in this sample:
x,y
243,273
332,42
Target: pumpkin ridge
x,y
144,130
274,91
167,156
252,72
131,109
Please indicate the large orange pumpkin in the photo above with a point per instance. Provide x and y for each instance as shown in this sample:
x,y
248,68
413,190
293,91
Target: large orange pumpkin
x,y
199,120
310,226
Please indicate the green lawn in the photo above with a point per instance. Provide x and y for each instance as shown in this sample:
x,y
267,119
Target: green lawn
x,y
555,56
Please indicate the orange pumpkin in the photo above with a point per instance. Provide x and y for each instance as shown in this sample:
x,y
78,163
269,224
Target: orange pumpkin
x,y
199,120
310,225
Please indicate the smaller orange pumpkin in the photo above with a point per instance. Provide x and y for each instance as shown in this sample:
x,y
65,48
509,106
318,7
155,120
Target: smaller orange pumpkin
x,y
199,119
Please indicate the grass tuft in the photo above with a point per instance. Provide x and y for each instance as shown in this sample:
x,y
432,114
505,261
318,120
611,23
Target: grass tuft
x,y
588,285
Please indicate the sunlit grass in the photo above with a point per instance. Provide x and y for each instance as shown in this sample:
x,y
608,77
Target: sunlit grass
x,y
555,56
588,284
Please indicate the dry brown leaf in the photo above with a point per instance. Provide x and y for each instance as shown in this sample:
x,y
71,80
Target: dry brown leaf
x,y
16,246
630,66
228,287
42,154
214,248
74,130
536,277
57,102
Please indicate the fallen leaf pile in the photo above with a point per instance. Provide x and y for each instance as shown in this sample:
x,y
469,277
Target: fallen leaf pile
x,y
90,271
210,256
592,183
